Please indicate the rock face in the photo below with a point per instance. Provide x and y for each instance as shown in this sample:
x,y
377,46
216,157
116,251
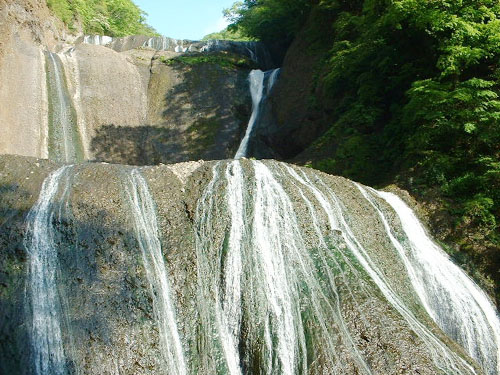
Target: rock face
x,y
24,26
139,100
195,109
211,267
293,119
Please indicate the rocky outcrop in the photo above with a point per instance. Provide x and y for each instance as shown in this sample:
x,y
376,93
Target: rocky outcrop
x,y
107,88
25,26
196,108
297,114
256,51
133,103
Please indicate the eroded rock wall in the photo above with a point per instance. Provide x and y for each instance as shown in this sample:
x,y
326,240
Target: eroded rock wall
x,y
25,28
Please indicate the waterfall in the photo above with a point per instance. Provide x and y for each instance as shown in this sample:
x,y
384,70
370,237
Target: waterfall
x,y
98,40
444,358
261,85
265,277
163,43
450,297
46,337
65,144
146,230
283,277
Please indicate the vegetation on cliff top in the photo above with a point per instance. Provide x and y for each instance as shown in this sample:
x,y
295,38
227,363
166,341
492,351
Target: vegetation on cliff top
x,y
411,91
222,59
103,17
228,34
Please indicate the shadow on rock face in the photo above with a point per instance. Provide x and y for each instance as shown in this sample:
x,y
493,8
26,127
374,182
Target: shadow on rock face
x,y
13,333
104,302
141,145
151,145
212,98
198,108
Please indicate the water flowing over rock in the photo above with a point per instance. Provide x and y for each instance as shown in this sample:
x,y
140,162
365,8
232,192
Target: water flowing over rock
x,y
46,339
450,297
146,228
118,100
261,85
256,51
222,267
240,267
65,143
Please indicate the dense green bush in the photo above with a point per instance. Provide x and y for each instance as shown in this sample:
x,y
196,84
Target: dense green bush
x,y
104,17
236,35
268,20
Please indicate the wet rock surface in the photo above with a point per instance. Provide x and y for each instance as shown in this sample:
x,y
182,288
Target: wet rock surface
x,y
109,325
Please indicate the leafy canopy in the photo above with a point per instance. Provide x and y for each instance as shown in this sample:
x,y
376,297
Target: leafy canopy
x,y
103,17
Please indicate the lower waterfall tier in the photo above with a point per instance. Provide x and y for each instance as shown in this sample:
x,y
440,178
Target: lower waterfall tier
x,y
230,267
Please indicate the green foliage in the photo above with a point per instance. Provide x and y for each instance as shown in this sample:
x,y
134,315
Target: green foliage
x,y
223,59
104,17
227,34
268,20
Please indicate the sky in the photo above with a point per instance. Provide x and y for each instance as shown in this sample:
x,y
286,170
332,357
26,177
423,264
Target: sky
x,y
185,19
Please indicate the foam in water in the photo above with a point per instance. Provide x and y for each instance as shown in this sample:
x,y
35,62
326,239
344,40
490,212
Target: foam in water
x,y
261,85
450,297
146,229
46,337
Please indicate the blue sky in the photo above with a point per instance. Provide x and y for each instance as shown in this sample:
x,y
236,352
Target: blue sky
x,y
185,19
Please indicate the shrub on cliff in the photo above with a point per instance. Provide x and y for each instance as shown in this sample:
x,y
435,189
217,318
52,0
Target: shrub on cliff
x,y
104,17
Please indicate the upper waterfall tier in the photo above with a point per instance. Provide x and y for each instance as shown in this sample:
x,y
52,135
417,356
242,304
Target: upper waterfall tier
x,y
233,267
256,51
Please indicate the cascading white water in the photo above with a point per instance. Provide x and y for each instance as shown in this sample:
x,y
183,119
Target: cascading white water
x,y
445,359
64,139
450,297
286,282
163,43
273,77
46,337
261,84
271,251
146,230
256,79
98,40
229,314
62,114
